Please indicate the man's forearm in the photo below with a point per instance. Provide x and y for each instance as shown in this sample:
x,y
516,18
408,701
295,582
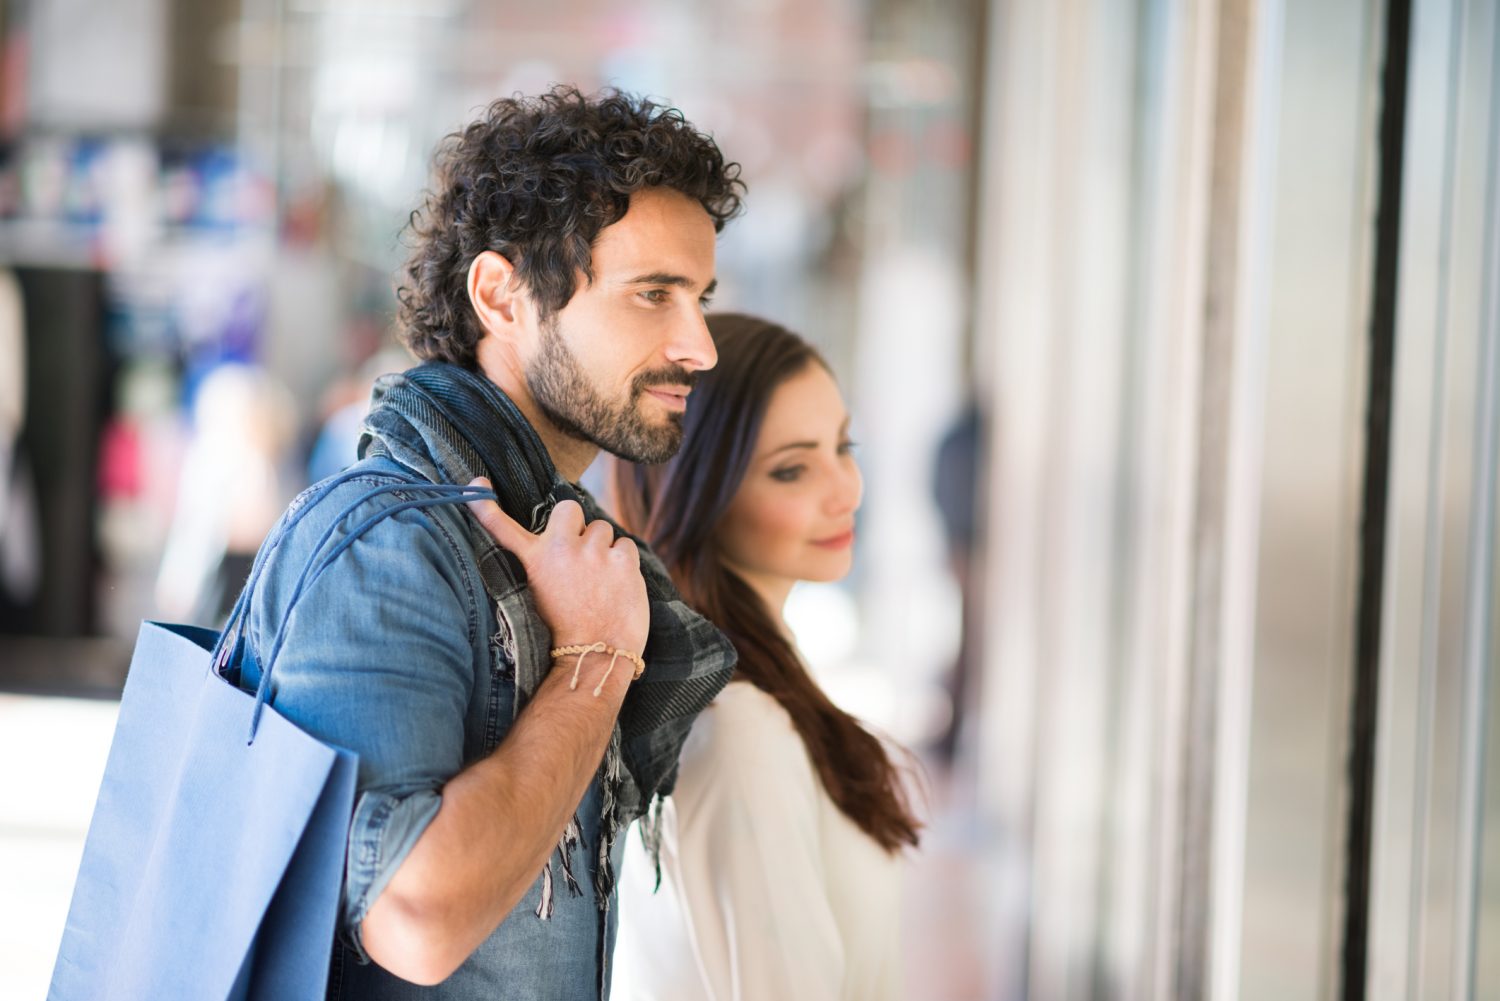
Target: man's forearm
x,y
499,820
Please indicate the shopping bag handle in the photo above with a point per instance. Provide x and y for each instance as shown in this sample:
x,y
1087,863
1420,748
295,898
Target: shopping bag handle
x,y
445,493
226,650
437,494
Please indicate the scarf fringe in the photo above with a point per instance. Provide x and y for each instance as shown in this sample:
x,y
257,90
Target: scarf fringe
x,y
571,838
651,835
609,819
544,906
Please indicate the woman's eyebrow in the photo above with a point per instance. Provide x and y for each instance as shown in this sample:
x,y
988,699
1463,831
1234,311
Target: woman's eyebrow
x,y
791,445
843,430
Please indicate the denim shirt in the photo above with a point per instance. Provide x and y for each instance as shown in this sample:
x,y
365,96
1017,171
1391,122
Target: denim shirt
x,y
389,655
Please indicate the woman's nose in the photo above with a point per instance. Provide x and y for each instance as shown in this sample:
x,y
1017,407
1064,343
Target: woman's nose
x,y
847,488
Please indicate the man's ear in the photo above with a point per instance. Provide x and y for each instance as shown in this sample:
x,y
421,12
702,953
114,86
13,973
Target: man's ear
x,y
494,293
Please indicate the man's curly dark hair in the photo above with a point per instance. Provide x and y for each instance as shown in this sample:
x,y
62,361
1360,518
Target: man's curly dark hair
x,y
536,179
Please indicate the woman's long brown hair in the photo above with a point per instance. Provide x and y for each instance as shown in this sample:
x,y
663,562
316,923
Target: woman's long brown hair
x,y
678,507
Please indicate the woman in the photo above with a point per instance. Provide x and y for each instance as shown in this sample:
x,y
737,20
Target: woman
x,y
780,848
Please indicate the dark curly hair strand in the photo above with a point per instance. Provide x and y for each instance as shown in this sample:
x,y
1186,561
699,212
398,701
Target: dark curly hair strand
x,y
536,179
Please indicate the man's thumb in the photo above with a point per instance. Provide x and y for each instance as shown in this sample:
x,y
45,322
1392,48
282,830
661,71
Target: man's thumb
x,y
504,529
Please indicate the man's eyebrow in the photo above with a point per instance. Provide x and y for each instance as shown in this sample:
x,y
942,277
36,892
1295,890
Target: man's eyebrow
x,y
666,278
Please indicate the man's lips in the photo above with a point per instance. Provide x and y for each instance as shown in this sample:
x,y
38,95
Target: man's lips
x,y
674,397
840,541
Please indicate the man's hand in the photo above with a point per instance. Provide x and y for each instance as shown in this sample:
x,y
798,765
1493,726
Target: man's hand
x,y
586,584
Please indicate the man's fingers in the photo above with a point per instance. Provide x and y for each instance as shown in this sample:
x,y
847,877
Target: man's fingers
x,y
566,519
626,547
502,527
599,533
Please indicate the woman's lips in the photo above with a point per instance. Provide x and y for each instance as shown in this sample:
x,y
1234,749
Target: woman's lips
x,y
841,541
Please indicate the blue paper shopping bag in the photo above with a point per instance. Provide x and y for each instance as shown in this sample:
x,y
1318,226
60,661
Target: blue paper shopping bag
x,y
198,835
215,856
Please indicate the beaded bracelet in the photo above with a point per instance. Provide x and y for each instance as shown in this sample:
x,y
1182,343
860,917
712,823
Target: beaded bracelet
x,y
601,647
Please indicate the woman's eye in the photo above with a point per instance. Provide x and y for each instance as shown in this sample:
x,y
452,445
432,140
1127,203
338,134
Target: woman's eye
x,y
847,447
787,474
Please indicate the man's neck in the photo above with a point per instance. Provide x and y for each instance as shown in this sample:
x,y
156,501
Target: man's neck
x,y
570,455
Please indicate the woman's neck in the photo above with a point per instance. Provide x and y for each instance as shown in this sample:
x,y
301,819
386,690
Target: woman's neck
x,y
773,591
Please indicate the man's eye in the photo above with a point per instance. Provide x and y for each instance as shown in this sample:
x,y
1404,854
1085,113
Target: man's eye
x,y
655,295
787,474
705,302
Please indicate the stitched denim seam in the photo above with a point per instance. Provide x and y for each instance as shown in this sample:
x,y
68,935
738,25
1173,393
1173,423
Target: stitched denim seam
x,y
464,566
370,843
457,551
498,676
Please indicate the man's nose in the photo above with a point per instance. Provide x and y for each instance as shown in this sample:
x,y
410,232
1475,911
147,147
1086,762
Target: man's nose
x,y
692,346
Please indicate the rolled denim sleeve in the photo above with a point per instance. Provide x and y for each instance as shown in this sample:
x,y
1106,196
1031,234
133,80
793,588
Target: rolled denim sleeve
x,y
379,659
383,831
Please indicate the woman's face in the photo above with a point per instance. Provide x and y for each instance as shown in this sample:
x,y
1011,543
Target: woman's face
x,y
793,516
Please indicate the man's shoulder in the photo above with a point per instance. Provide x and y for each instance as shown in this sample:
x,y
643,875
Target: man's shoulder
x,y
366,495
360,478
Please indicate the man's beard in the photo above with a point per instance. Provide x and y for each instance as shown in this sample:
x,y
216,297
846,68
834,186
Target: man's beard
x,y
576,408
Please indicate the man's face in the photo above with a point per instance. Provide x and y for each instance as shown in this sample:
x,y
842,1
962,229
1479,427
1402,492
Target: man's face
x,y
614,366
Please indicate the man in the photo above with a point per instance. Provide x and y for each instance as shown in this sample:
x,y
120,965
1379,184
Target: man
x,y
556,289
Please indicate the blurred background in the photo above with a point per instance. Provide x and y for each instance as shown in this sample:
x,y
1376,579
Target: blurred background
x,y
1172,333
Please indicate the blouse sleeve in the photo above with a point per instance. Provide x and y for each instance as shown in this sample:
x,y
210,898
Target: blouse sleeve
x,y
752,882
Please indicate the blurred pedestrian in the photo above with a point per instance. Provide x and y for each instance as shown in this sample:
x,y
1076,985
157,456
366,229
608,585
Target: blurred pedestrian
x,y
231,488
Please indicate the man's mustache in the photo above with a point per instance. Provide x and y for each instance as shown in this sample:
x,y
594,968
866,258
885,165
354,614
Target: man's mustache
x,y
672,375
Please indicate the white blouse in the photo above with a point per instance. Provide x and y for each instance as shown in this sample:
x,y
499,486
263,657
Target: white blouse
x,y
768,892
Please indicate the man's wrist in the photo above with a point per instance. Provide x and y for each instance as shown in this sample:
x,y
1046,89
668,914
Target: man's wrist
x,y
562,640
617,663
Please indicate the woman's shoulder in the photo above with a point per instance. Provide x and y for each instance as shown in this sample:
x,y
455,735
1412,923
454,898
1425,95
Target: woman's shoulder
x,y
746,765
746,732
742,706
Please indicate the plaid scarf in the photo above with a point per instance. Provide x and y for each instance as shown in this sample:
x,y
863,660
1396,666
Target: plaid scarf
x,y
451,425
